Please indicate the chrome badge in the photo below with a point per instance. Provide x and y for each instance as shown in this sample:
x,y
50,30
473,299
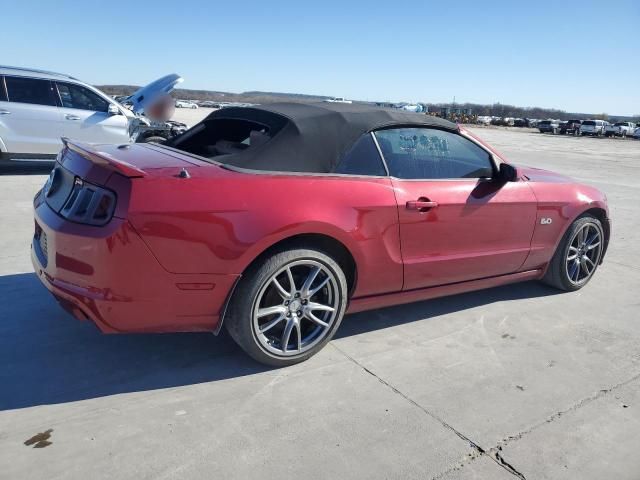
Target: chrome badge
x,y
546,221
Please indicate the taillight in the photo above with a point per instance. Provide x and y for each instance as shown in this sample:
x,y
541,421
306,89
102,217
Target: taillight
x,y
89,204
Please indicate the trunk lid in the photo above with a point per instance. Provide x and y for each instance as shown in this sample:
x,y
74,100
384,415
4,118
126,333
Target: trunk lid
x,y
96,163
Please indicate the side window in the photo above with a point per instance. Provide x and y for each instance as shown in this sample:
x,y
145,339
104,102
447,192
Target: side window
x,y
75,96
362,159
424,153
30,90
3,92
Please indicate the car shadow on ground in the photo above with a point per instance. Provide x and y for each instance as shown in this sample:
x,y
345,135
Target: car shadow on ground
x,y
47,357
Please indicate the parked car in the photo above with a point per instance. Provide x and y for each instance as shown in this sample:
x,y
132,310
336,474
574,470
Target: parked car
x,y
620,129
524,122
484,120
593,127
276,220
209,104
636,133
571,127
185,104
37,108
549,126
337,100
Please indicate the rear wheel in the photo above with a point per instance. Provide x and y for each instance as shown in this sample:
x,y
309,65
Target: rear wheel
x,y
578,255
288,307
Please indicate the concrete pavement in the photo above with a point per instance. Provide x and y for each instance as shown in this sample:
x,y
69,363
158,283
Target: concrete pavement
x,y
514,382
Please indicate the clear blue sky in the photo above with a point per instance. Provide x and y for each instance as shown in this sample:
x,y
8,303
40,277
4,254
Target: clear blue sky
x,y
580,56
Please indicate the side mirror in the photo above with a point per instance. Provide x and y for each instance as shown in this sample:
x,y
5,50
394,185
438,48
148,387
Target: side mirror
x,y
113,110
507,173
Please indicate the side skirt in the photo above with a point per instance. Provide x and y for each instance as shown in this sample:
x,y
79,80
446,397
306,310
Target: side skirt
x,y
379,301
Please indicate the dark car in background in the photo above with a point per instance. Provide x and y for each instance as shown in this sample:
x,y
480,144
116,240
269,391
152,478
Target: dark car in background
x,y
549,126
571,127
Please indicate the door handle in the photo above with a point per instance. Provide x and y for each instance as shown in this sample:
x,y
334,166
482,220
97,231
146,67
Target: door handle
x,y
4,112
68,116
422,205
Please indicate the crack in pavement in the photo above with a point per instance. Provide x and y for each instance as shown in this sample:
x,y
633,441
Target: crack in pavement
x,y
493,453
585,401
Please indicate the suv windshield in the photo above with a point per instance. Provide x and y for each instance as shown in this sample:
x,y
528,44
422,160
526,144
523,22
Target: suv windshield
x,y
589,122
620,124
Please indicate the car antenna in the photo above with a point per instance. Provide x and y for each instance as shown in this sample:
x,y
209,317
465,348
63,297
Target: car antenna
x,y
184,173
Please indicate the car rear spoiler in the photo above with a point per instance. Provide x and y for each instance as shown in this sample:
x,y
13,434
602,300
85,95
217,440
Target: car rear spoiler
x,y
103,159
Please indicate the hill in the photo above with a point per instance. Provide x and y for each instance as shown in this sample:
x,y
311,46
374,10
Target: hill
x,y
497,109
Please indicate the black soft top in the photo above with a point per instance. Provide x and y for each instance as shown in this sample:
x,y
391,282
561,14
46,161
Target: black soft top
x,y
312,137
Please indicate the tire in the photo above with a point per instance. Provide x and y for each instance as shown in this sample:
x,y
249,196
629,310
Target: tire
x,y
257,292
560,272
155,138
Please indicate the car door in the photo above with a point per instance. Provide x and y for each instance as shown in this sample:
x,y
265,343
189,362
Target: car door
x,y
86,116
30,121
456,223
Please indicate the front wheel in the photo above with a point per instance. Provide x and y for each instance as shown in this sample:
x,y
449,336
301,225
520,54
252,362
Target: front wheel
x,y
578,255
288,306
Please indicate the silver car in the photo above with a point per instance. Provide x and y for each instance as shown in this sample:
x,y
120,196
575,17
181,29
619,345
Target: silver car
x,y
37,108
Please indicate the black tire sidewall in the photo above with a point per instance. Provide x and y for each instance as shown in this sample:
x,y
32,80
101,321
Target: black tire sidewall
x,y
557,274
240,315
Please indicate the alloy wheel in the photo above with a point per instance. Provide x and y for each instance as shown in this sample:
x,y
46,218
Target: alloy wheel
x,y
583,255
296,308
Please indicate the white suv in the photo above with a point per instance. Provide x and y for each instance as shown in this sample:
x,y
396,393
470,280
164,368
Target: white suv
x,y
593,127
37,108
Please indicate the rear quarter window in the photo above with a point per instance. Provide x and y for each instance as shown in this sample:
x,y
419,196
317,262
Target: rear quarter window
x,y
30,90
362,159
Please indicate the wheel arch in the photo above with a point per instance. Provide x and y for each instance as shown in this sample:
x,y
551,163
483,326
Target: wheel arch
x,y
326,243
600,214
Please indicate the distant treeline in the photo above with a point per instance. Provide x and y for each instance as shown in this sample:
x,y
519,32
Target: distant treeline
x,y
497,109
500,110
245,97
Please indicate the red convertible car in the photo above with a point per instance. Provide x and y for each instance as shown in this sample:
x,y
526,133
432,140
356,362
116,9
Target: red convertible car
x,y
275,221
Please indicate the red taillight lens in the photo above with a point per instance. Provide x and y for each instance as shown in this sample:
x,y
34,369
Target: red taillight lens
x,y
89,204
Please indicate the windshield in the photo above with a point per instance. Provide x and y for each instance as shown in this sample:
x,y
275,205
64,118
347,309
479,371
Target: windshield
x,y
589,122
620,124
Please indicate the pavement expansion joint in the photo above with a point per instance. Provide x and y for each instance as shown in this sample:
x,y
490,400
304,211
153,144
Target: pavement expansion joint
x,y
494,453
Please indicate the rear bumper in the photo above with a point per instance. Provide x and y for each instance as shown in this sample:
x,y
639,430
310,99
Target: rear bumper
x,y
109,276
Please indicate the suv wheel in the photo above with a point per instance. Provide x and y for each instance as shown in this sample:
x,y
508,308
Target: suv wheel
x,y
288,307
